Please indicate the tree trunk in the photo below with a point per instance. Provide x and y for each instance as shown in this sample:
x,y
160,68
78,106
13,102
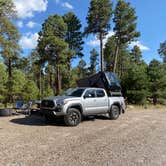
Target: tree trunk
x,y
116,57
50,79
59,86
101,52
40,80
9,68
9,81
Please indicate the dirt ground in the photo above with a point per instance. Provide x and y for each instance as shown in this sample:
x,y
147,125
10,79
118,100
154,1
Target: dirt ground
x,y
136,138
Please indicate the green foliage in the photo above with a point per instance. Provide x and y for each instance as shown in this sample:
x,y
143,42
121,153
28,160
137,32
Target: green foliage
x,y
7,9
18,82
162,51
9,34
125,26
157,79
125,22
74,34
52,46
136,54
48,92
135,83
82,70
98,20
3,80
123,58
98,17
47,70
30,91
109,52
93,61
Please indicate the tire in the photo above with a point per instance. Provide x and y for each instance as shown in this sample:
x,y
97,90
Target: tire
x,y
73,117
114,112
6,112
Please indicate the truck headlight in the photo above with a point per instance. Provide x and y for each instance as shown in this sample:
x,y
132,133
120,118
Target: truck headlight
x,y
65,102
62,102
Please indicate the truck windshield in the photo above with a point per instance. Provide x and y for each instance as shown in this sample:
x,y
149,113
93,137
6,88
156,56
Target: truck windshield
x,y
76,92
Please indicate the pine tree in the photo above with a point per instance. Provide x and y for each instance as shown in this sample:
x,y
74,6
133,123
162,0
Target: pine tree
x,y
98,20
74,35
162,51
82,70
93,61
123,58
125,26
136,54
52,46
157,79
9,36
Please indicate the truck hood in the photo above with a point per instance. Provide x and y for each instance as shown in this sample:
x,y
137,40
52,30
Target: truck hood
x,y
57,98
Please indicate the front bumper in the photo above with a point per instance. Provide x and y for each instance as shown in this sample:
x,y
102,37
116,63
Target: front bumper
x,y
53,112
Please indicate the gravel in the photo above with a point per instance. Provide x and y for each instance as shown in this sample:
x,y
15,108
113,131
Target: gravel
x,y
137,138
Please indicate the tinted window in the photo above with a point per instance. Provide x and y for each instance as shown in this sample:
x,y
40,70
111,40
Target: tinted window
x,y
100,93
90,93
76,93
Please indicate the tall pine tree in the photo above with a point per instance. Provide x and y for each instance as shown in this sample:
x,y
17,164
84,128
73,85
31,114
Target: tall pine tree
x,y
125,26
98,20
52,46
74,34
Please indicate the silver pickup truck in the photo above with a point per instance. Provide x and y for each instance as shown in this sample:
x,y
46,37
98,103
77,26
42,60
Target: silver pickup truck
x,y
81,102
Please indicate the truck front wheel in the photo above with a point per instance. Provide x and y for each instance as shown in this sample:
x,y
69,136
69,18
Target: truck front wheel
x,y
114,112
73,117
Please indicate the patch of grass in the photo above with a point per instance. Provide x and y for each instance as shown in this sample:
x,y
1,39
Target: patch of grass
x,y
145,107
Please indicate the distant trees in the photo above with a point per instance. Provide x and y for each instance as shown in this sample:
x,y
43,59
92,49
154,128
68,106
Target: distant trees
x,y
162,51
48,70
135,83
98,20
157,80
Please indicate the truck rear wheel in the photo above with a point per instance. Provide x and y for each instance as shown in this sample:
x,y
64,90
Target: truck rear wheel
x,y
73,117
114,112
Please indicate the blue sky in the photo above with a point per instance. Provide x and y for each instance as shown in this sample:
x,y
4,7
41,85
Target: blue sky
x,y
151,23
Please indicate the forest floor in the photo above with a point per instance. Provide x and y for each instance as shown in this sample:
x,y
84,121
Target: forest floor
x,y
137,138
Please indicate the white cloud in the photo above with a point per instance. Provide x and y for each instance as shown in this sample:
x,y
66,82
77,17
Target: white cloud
x,y
27,8
31,24
57,1
29,41
20,24
67,5
95,42
140,45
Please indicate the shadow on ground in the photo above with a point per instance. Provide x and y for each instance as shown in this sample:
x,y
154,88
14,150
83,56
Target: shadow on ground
x,y
35,120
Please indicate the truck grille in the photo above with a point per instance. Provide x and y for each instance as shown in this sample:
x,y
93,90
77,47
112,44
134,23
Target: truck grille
x,y
47,104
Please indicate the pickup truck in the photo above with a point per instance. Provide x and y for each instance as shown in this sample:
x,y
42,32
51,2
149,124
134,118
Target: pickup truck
x,y
82,101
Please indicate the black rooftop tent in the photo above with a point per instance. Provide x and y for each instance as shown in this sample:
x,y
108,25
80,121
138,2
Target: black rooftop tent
x,y
105,80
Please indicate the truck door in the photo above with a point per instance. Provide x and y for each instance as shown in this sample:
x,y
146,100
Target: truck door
x,y
89,102
101,101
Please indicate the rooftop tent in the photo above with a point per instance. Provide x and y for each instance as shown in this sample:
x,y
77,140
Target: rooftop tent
x,y
105,80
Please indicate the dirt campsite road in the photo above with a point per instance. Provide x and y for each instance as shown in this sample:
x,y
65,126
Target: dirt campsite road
x,y
136,138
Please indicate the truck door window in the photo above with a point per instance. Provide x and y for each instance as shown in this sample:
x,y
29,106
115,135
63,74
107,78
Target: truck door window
x,y
100,93
90,94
